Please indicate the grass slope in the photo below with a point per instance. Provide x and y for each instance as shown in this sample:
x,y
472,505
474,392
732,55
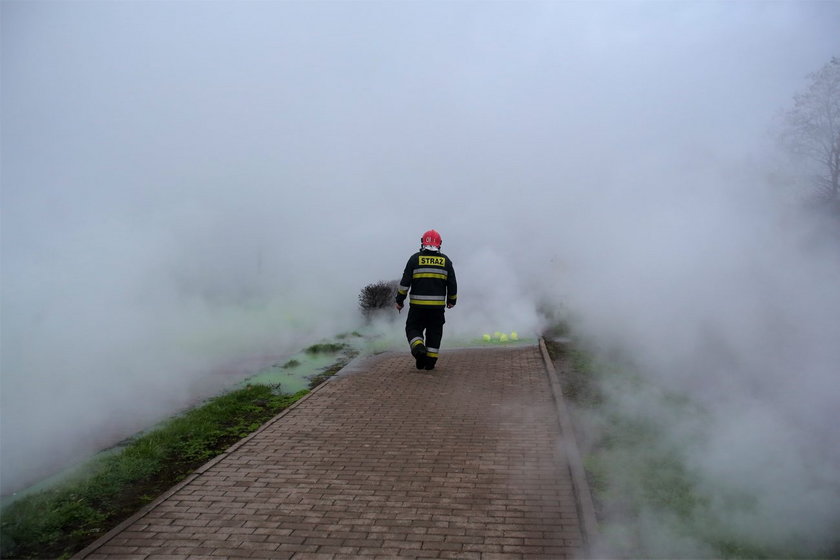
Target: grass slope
x,y
58,522
62,520
650,502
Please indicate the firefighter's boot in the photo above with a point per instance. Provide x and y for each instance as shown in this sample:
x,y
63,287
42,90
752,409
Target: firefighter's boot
x,y
418,350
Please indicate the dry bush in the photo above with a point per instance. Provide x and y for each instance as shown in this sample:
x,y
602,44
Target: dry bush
x,y
377,297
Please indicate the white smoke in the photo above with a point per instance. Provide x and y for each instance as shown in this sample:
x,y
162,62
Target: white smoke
x,y
177,202
718,292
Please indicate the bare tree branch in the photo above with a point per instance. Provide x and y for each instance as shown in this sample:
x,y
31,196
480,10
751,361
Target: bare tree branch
x,y
812,128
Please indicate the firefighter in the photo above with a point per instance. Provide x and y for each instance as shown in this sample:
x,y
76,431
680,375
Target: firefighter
x,y
429,283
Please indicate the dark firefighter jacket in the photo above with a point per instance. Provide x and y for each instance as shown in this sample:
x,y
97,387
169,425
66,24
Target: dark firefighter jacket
x,y
431,278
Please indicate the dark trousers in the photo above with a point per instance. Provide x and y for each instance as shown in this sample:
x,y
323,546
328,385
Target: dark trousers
x,y
427,325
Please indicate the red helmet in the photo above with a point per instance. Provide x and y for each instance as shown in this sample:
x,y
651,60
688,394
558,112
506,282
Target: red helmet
x,y
431,238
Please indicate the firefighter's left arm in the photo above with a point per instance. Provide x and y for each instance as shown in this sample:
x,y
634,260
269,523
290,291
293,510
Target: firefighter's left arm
x,y
451,286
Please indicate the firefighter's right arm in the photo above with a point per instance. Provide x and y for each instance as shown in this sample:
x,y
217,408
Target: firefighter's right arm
x,y
405,283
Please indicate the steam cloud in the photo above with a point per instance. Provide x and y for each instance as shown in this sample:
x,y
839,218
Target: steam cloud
x,y
187,186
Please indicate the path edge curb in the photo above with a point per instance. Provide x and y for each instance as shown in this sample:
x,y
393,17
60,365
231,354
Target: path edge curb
x,y
583,495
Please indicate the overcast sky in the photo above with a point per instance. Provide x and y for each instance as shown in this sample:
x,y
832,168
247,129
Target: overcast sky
x,y
188,183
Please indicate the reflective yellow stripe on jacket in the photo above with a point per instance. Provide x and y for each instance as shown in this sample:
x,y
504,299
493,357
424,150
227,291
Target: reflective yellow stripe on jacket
x,y
427,300
440,273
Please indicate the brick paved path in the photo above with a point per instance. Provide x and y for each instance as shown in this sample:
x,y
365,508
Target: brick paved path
x,y
383,461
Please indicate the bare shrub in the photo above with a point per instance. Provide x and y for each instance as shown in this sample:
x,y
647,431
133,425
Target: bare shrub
x,y
375,298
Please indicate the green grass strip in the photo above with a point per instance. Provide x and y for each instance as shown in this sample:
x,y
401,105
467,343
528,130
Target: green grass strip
x,y
58,522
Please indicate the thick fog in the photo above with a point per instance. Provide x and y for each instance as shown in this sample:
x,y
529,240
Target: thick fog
x,y
189,185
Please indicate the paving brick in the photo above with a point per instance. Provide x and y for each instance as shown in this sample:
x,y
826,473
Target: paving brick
x,y
465,461
118,550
